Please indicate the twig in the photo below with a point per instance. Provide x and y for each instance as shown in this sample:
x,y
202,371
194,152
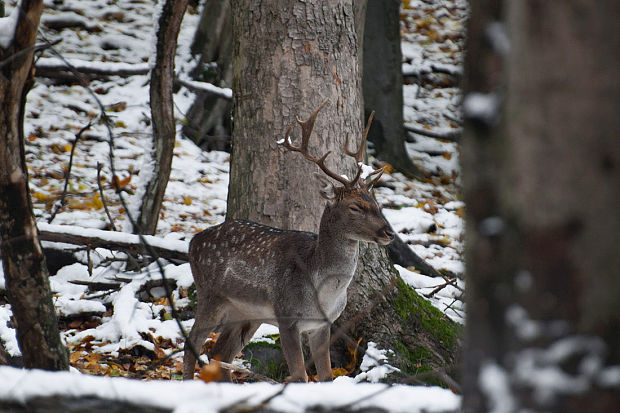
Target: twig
x,y
441,287
36,48
103,201
63,195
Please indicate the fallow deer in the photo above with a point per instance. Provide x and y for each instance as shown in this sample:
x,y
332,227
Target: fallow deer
x,y
247,273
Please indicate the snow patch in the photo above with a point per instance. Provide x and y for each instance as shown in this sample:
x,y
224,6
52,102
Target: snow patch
x,y
374,364
8,25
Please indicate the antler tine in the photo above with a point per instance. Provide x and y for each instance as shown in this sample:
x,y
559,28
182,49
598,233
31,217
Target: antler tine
x,y
307,126
306,130
378,172
359,155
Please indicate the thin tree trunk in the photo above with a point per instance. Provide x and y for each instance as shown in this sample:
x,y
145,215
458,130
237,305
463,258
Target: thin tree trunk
x,y
162,113
23,261
383,84
209,116
542,194
289,57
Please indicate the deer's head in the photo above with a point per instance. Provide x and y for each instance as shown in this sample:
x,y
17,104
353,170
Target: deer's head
x,y
351,210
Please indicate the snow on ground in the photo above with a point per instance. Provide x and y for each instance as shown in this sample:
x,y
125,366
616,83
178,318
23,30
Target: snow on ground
x,y
428,214
184,397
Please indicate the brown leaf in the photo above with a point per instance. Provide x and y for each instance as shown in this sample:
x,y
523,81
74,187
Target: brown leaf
x,y
159,353
210,372
75,356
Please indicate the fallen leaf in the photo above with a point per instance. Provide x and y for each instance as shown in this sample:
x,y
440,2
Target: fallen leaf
x,y
210,372
75,356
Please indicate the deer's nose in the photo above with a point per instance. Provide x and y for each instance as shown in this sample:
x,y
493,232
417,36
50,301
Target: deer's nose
x,y
389,233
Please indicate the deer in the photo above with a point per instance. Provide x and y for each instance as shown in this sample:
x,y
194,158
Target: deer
x,y
247,273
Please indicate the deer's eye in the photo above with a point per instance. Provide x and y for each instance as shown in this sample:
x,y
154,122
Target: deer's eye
x,y
355,209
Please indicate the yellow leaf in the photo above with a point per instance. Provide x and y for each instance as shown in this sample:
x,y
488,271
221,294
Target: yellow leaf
x,y
40,196
339,371
187,200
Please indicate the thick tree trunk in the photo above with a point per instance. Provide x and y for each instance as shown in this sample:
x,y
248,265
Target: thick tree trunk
x,y
541,187
162,113
383,84
23,261
289,57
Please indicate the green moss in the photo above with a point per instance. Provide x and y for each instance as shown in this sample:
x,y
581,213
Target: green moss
x,y
412,307
433,342
418,361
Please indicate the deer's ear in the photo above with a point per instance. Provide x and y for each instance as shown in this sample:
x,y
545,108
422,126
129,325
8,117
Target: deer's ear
x,y
326,189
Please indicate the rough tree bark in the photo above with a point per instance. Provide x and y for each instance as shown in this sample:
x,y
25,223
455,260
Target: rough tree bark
x,y
162,113
383,84
209,116
23,261
287,58
542,194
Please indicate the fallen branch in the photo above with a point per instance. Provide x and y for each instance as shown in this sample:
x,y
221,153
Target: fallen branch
x,y
47,67
97,286
447,136
117,241
55,68
446,69
205,87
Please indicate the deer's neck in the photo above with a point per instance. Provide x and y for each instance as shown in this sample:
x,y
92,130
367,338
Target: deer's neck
x,y
335,254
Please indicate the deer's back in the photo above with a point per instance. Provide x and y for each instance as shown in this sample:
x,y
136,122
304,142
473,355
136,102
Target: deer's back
x,y
247,256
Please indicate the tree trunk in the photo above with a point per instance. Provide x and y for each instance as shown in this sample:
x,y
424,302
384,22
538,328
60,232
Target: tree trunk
x,y
542,194
288,57
209,116
383,84
162,113
23,261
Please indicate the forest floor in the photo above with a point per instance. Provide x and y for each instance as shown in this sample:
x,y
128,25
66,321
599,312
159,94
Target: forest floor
x,y
116,321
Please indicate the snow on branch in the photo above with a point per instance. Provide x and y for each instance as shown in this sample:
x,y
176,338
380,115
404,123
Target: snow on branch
x,y
195,86
51,64
96,238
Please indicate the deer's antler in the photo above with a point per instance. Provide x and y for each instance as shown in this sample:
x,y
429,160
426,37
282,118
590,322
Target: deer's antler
x,y
306,131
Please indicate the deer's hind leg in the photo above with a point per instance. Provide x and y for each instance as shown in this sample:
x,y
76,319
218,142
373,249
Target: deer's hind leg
x,y
209,314
231,341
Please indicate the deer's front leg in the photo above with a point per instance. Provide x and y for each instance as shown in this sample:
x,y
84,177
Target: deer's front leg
x,y
291,346
319,345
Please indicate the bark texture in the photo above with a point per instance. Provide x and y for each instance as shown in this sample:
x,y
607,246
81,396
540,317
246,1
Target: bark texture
x,y
162,113
23,261
541,187
383,84
287,58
